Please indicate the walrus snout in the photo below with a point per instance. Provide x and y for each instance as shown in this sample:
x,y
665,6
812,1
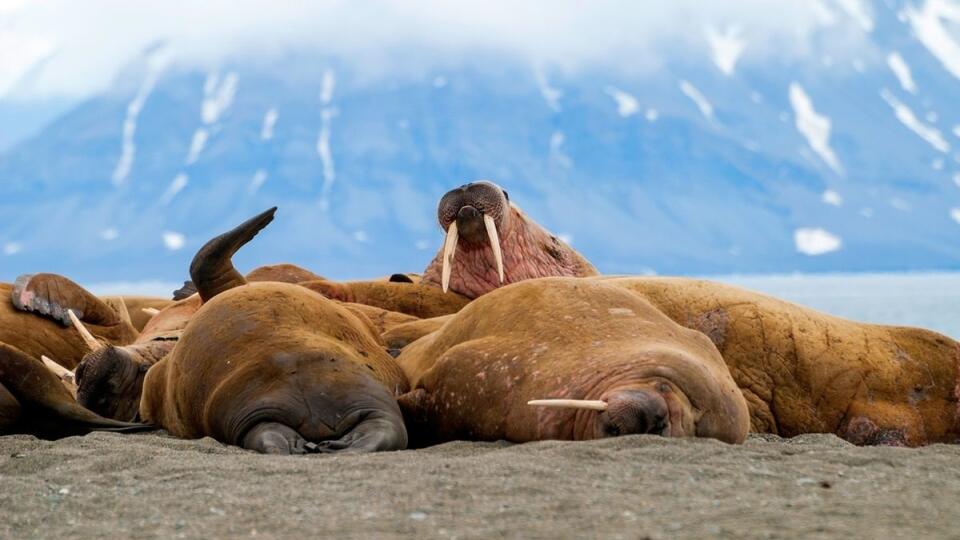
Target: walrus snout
x,y
109,383
470,225
633,412
484,197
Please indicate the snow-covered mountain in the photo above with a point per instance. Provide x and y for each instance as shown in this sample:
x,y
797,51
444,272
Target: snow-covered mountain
x,y
836,161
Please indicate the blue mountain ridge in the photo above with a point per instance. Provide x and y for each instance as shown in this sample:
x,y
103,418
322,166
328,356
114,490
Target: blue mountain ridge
x,y
680,193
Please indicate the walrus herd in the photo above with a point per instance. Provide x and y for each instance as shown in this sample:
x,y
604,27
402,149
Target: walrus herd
x,y
508,333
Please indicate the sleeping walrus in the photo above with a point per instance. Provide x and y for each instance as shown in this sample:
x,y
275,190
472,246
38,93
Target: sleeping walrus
x,y
803,371
592,345
490,242
274,367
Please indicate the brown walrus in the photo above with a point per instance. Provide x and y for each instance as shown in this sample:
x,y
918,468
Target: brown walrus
x,y
490,242
568,339
274,367
418,300
803,371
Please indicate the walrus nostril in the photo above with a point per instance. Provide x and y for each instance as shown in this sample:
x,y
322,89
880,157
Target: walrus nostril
x,y
633,412
468,212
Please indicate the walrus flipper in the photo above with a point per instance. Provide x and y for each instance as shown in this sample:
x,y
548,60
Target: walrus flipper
x,y
52,295
47,407
188,290
212,270
276,438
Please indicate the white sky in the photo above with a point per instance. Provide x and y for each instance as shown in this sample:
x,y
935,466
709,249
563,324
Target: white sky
x,y
70,47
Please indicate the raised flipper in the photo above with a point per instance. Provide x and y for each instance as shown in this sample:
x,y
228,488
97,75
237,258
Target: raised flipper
x,y
47,408
188,290
52,296
212,270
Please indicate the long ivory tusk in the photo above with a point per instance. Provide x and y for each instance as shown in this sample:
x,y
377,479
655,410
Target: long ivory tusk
x,y
57,369
151,311
67,377
494,243
88,338
449,250
593,405
124,312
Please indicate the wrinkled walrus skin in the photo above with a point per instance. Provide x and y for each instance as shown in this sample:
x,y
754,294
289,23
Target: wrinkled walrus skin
x,y
528,250
574,339
803,371
268,361
421,301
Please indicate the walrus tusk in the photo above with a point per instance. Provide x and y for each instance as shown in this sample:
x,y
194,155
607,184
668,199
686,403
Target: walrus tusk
x,y
593,405
57,369
123,311
88,338
66,376
151,311
494,243
449,249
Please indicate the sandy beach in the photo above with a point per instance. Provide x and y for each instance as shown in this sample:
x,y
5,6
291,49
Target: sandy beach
x,y
107,485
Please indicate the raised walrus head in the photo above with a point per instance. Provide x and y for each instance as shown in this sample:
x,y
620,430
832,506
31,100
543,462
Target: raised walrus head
x,y
490,242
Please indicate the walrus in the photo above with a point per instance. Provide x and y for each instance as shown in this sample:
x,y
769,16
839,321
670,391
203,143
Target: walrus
x,y
35,318
621,364
407,297
109,379
33,400
490,242
274,367
803,371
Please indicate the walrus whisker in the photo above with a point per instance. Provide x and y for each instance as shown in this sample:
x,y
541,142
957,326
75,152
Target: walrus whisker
x,y
88,338
590,404
152,311
449,249
494,243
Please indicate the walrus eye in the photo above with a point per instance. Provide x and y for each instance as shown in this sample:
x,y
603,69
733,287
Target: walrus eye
x,y
611,430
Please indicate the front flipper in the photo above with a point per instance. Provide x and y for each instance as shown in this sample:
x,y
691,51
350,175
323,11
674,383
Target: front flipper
x,y
47,408
53,295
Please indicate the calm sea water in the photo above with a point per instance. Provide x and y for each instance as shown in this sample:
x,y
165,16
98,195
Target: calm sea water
x,y
929,300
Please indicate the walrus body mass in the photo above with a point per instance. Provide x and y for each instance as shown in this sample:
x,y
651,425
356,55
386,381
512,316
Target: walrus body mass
x,y
803,371
274,367
567,338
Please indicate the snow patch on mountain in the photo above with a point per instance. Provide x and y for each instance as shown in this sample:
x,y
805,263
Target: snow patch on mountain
x,y
816,241
156,62
814,127
901,70
218,96
691,91
269,120
726,47
173,241
323,139
12,248
859,12
955,214
197,144
627,105
176,186
906,116
832,198
929,27
550,94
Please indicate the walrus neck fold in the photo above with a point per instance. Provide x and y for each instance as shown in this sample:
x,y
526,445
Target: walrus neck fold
x,y
212,269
